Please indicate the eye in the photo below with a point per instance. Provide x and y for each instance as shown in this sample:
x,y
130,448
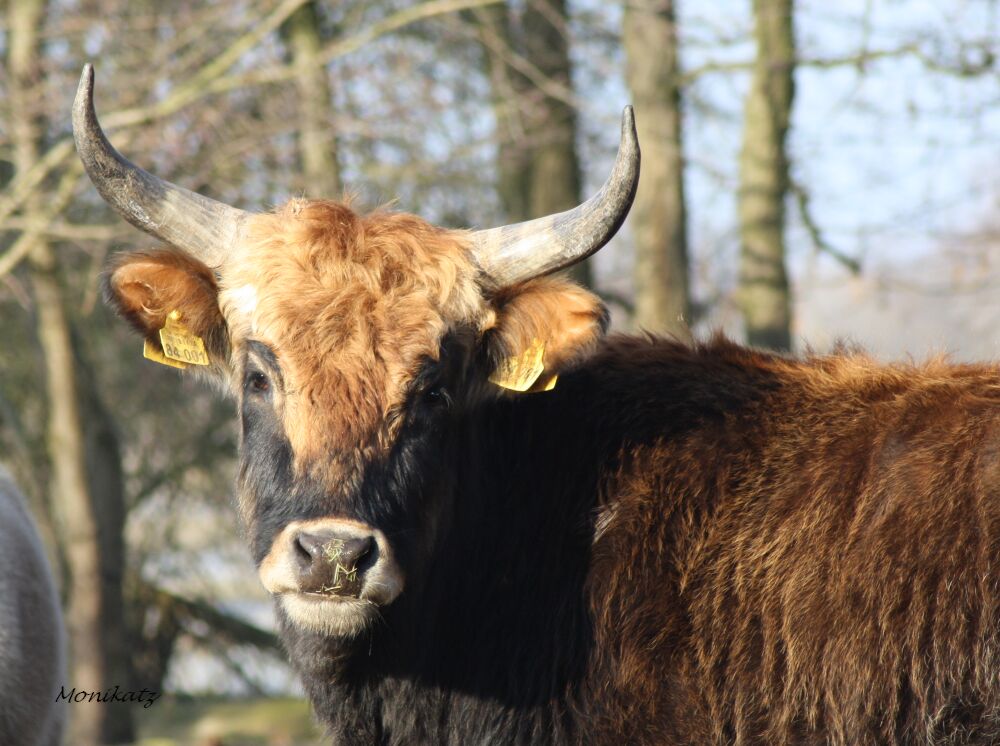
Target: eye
x,y
437,395
257,382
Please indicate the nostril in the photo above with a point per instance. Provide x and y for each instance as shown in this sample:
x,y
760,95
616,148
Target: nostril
x,y
331,562
302,549
310,547
365,546
349,552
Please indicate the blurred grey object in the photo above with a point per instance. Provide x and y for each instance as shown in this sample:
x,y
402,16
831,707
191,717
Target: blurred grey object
x,y
32,649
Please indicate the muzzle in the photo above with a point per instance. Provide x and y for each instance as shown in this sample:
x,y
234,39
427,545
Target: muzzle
x,y
334,559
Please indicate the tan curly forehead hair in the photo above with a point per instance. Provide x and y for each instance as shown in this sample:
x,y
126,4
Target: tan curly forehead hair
x,y
351,305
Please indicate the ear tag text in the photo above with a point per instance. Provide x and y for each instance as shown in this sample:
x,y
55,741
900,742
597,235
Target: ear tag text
x,y
152,352
180,344
521,372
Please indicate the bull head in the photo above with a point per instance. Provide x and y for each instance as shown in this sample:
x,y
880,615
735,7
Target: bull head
x,y
354,345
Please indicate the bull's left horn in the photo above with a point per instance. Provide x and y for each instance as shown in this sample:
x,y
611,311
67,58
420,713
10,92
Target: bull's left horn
x,y
515,253
204,228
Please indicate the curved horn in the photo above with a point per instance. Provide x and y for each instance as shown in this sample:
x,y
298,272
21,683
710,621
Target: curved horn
x,y
204,228
515,253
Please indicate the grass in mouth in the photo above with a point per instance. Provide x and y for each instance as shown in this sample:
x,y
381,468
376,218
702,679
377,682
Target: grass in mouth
x,y
342,575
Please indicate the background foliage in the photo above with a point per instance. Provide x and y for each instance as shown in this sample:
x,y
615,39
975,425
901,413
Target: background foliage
x,y
859,189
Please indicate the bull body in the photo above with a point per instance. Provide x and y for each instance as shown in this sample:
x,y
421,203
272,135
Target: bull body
x,y
705,545
31,631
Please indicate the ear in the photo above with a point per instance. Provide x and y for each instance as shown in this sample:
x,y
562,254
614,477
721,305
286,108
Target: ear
x,y
145,286
554,313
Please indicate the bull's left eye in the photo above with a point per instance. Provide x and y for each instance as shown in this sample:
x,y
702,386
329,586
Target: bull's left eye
x,y
257,382
438,395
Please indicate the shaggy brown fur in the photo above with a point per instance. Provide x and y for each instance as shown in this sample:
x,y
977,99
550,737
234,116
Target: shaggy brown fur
x,y
816,565
677,545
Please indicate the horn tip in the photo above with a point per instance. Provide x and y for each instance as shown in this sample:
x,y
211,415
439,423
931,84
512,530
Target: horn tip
x,y
86,77
85,90
628,123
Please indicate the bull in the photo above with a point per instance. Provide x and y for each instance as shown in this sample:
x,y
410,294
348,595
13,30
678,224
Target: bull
x,y
483,520
32,655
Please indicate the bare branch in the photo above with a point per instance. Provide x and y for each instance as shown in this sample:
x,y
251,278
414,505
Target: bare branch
x,y
225,627
195,87
25,184
212,79
394,22
56,203
67,231
821,244
965,67
518,62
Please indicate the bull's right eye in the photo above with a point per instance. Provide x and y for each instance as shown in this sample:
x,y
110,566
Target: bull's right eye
x,y
257,383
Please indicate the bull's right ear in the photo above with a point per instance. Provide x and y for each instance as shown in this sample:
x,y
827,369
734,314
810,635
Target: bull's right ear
x,y
144,287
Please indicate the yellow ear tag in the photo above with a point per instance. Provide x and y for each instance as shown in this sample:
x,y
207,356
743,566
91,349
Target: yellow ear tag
x,y
545,384
179,344
150,352
521,373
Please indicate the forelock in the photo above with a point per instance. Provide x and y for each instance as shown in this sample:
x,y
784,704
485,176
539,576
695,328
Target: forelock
x,y
351,304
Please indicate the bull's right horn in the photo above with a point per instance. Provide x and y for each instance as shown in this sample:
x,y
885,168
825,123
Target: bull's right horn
x,y
206,229
514,253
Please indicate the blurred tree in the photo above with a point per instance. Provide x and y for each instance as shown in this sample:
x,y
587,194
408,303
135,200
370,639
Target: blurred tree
x,y
555,183
528,63
86,481
507,89
106,488
317,144
764,290
659,219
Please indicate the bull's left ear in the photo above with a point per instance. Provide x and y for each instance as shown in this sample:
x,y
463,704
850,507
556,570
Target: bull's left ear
x,y
146,287
542,327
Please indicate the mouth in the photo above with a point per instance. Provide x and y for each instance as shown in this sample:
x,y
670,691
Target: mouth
x,y
328,614
326,596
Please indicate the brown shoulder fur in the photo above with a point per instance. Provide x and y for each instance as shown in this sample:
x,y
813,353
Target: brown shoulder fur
x,y
813,563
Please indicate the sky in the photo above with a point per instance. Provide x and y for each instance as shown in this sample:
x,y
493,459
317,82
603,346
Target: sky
x,y
899,161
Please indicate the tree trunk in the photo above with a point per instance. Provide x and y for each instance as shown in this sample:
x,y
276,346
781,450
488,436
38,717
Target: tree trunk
x,y
92,521
555,171
537,168
317,138
106,486
659,220
94,614
764,292
508,88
